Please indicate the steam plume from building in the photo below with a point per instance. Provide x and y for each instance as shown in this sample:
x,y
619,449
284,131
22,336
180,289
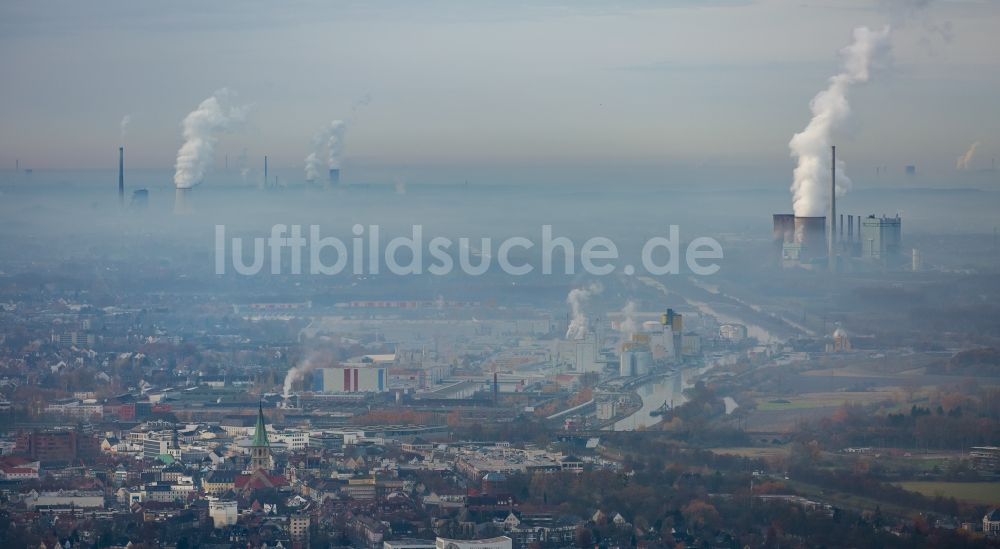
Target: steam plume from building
x,y
298,372
966,159
126,120
577,298
830,109
628,325
328,145
201,128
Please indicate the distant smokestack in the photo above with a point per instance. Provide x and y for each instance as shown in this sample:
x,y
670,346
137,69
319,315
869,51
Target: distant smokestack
x,y
265,171
831,255
496,387
850,228
121,176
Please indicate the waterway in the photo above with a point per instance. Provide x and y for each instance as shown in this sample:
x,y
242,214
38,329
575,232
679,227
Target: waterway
x,y
670,389
667,389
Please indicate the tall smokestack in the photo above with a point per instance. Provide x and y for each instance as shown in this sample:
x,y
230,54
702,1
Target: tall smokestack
x,y
121,176
832,257
265,171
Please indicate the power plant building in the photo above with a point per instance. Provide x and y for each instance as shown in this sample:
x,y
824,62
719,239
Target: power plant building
x,y
799,238
350,379
881,237
587,355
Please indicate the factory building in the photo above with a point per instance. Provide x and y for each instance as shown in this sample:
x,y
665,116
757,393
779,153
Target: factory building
x,y
881,237
350,379
636,357
800,241
587,355
223,513
733,332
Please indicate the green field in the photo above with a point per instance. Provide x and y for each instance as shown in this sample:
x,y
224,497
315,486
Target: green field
x,y
975,492
820,400
753,452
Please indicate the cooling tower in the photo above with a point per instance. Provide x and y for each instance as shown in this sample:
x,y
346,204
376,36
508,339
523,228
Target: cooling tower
x,y
784,228
181,204
810,232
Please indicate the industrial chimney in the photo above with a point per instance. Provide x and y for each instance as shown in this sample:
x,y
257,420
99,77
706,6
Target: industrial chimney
x,y
121,176
832,235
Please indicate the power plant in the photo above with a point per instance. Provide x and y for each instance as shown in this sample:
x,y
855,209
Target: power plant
x,y
801,241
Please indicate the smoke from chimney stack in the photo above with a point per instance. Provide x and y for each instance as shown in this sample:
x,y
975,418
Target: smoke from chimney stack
x,y
830,109
201,127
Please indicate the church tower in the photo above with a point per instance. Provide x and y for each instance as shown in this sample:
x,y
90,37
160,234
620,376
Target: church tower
x,y
260,449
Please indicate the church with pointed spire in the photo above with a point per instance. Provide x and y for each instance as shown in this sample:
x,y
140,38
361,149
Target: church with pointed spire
x,y
258,473
260,447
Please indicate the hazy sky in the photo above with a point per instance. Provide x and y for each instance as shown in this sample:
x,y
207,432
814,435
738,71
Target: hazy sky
x,y
523,84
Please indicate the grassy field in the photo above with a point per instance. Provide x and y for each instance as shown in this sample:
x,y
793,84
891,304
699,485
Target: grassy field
x,y
821,400
975,492
753,452
847,500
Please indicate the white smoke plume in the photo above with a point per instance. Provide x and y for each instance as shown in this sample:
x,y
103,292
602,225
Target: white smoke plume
x,y
297,373
242,165
966,159
628,326
400,185
201,128
830,109
577,298
126,120
328,143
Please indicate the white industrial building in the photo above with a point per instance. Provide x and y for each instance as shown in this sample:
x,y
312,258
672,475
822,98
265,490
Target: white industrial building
x,y
224,513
